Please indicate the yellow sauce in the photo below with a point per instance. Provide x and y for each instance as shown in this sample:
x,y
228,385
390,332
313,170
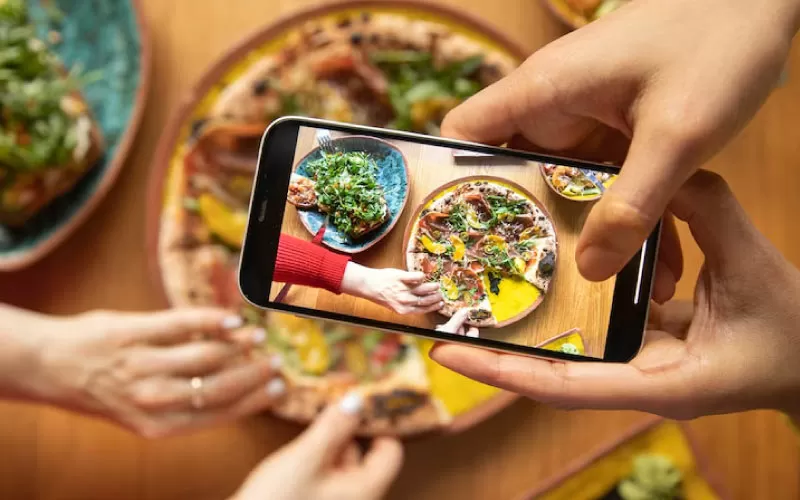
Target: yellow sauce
x,y
515,296
574,339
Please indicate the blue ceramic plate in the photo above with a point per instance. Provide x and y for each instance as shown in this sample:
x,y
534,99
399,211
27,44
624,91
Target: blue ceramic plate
x,y
99,35
392,176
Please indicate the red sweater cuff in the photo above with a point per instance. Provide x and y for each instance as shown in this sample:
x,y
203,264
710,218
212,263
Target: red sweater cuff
x,y
303,263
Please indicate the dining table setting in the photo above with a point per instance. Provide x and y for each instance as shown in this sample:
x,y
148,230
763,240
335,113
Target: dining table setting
x,y
157,80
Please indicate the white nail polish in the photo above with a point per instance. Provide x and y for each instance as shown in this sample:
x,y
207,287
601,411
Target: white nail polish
x,y
259,336
232,322
276,387
351,403
275,362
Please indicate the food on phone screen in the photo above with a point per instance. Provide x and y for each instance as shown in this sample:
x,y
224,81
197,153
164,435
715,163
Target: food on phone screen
x,y
474,235
575,183
346,189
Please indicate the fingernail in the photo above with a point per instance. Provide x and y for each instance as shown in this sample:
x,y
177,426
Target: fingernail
x,y
276,387
351,403
232,322
275,362
259,336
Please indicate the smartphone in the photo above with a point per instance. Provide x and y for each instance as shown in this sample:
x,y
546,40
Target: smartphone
x,y
488,231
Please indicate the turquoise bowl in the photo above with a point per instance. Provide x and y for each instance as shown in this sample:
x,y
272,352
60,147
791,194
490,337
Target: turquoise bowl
x,y
392,176
98,35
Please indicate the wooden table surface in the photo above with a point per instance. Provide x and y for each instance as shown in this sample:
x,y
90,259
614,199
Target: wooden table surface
x,y
49,454
431,168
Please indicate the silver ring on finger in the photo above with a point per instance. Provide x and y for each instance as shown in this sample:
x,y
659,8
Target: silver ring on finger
x,y
198,399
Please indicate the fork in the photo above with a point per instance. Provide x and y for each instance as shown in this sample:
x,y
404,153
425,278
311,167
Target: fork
x,y
325,141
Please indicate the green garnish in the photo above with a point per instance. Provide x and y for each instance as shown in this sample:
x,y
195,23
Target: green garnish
x,y
348,191
420,93
569,348
39,120
458,219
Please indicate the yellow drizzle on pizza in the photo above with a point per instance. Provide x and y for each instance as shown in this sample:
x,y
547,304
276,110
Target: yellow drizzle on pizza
x,y
490,247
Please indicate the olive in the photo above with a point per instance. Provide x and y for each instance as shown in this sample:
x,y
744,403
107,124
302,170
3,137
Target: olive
x,y
365,16
547,264
356,38
344,22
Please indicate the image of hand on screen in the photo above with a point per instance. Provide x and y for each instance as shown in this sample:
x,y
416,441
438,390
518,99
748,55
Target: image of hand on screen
x,y
735,348
455,325
301,262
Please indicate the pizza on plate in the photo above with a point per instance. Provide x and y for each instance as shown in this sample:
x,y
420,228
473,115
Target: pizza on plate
x,y
475,234
371,69
321,361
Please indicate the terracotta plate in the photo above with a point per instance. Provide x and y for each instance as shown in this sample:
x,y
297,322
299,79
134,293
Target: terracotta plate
x,y
483,401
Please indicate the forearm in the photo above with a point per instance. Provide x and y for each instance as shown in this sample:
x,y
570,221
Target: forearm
x,y
22,336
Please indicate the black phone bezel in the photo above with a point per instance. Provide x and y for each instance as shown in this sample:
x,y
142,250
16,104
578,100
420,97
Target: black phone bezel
x,y
268,202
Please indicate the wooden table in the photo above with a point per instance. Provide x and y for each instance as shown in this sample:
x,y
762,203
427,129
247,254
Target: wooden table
x,y
49,454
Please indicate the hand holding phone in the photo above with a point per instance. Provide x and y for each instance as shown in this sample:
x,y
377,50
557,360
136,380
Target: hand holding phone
x,y
733,349
490,238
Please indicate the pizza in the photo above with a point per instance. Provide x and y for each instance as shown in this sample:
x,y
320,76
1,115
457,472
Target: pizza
x,y
321,361
48,137
475,234
382,70
575,183
371,69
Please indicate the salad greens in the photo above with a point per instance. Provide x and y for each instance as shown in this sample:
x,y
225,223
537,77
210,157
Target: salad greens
x,y
38,117
347,189
420,93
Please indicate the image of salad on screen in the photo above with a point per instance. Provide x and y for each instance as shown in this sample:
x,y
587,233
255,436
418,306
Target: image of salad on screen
x,y
440,234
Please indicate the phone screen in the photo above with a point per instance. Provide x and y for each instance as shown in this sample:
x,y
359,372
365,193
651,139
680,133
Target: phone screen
x,y
469,244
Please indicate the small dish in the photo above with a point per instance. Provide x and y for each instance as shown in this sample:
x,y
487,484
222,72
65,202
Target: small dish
x,y
392,176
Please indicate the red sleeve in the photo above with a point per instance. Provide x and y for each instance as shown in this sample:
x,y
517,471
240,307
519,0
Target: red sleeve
x,y
303,263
